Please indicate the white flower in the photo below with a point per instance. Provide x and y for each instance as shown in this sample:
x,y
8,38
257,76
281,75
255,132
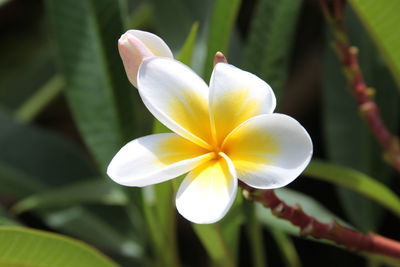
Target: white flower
x,y
221,134
135,46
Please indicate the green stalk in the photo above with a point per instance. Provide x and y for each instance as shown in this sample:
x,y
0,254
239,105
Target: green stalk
x,y
254,233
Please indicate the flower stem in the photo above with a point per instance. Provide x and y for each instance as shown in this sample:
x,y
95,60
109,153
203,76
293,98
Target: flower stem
x,y
254,233
364,96
309,226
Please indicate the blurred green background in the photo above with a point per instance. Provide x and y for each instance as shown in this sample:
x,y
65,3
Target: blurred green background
x,y
66,107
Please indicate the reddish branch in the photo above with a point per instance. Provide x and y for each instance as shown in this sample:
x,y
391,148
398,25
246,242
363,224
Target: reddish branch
x,y
308,225
333,11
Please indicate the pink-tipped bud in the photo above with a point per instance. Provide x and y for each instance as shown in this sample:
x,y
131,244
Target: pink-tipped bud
x,y
135,46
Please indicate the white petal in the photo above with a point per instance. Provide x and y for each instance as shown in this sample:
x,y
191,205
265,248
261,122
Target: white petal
x,y
177,97
236,96
207,193
134,46
155,158
269,151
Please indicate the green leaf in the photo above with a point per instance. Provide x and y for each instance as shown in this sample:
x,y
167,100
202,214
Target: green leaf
x,y
86,225
381,19
344,128
355,181
270,41
85,34
26,247
186,53
221,26
97,191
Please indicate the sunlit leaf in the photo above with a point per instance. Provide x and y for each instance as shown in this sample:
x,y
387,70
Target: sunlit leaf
x,y
381,19
26,247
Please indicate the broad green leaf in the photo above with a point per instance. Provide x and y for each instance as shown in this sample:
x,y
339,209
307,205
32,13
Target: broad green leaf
x,y
96,191
381,19
356,181
270,41
26,247
86,225
219,32
85,35
186,53
344,128
287,248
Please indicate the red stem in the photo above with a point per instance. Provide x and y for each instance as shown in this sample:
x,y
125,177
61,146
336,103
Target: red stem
x,y
308,225
334,15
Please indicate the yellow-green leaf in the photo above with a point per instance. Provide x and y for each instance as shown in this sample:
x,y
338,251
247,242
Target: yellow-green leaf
x,y
33,248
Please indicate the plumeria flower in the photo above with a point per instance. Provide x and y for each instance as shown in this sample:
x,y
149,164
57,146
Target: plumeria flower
x,y
221,133
134,46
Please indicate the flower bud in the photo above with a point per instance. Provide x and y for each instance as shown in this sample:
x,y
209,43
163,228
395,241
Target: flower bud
x,y
135,46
